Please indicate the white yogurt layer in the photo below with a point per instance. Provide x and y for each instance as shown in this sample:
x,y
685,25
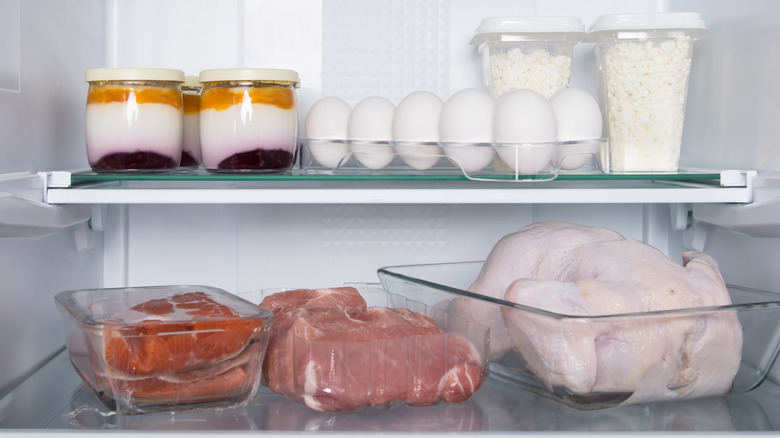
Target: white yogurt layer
x,y
121,128
191,136
246,127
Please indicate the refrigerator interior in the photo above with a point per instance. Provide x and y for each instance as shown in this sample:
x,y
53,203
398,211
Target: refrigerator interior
x,y
351,49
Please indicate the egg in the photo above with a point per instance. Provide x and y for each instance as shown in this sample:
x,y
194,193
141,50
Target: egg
x,y
579,118
523,117
415,129
369,130
465,128
327,120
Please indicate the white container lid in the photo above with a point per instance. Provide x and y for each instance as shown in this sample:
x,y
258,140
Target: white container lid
x,y
495,29
250,74
133,74
191,81
688,21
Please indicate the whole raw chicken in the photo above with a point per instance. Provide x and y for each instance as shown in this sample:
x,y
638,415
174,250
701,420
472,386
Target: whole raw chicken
x,y
585,271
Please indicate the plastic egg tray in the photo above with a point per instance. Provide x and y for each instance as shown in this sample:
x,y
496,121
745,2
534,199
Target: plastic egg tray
x,y
475,161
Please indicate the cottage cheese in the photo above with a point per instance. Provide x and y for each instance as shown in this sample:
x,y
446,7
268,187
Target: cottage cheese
x,y
646,86
538,70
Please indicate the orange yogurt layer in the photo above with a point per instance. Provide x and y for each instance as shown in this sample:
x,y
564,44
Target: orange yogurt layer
x,y
220,99
102,95
191,103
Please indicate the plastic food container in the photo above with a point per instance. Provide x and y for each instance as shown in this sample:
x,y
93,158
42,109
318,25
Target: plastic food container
x,y
162,348
575,340
374,350
530,162
190,142
527,52
133,119
249,120
644,64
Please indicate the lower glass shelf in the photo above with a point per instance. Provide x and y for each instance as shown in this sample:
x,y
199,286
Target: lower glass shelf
x,y
55,400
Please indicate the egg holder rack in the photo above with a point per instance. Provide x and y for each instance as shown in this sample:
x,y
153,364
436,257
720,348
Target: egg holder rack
x,y
531,162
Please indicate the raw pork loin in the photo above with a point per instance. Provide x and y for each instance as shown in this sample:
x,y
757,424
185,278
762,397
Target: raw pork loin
x,y
331,352
576,270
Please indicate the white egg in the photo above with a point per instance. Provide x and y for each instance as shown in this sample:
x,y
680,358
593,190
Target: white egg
x,y
523,117
369,130
416,121
327,120
465,126
579,118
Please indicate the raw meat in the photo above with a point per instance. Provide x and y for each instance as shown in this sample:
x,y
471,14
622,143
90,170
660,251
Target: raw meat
x,y
155,345
165,358
583,271
331,352
537,251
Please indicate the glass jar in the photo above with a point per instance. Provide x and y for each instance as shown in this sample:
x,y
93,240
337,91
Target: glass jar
x,y
190,142
133,119
249,120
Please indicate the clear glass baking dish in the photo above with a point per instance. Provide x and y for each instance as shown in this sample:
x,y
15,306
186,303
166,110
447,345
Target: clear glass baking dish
x,y
165,348
756,313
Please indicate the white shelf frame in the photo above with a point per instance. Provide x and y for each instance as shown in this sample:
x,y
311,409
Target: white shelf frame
x,y
736,187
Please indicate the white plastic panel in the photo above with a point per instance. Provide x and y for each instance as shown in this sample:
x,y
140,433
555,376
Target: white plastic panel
x,y
42,119
32,271
10,45
250,247
732,109
189,35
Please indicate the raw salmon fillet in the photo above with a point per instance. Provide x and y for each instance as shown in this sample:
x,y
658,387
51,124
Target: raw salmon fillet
x,y
161,357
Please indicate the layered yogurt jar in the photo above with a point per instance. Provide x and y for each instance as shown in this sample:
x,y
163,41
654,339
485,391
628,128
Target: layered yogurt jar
x,y
134,119
190,142
249,120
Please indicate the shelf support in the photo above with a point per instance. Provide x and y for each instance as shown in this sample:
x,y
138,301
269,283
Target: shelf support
x,y
23,212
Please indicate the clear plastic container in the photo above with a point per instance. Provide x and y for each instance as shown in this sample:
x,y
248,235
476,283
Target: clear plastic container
x,y
532,53
249,120
644,65
190,142
356,347
162,348
134,119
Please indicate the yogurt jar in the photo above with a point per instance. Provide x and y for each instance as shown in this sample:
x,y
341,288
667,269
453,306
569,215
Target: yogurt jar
x,y
134,119
190,142
249,120
644,62
532,53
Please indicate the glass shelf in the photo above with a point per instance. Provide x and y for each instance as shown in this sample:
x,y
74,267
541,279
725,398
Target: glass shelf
x,y
712,176
54,400
430,187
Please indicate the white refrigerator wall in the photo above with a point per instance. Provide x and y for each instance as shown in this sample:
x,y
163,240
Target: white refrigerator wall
x,y
45,45
352,49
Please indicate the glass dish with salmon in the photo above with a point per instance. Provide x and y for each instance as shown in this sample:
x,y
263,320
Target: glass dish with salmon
x,y
149,349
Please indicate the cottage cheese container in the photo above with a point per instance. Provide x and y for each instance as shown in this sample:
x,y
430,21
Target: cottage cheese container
x,y
249,120
644,63
190,142
528,52
133,119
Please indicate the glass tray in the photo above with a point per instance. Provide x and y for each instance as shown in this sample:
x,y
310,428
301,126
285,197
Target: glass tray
x,y
350,168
